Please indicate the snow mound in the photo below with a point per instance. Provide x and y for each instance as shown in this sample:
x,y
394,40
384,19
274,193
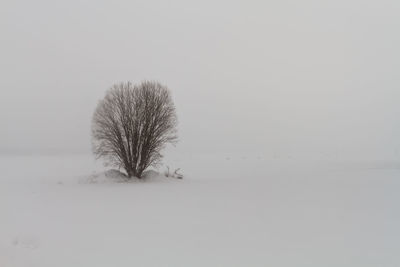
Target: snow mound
x,y
109,176
152,175
115,176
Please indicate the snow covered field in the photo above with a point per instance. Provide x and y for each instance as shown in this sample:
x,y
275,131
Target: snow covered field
x,y
227,211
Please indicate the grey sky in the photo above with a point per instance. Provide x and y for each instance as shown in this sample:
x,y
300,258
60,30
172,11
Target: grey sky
x,y
289,77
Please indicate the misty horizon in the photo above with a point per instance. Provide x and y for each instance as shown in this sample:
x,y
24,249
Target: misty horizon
x,y
296,79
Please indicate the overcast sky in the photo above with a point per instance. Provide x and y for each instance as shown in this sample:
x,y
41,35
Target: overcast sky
x,y
290,77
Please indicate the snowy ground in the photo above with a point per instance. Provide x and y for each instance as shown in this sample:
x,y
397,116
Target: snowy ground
x,y
227,211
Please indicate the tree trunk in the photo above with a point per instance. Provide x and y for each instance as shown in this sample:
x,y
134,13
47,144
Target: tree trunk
x,y
129,172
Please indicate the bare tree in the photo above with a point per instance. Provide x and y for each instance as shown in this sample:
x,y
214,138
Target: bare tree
x,y
132,125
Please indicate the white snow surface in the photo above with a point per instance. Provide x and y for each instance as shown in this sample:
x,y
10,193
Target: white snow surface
x,y
227,211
